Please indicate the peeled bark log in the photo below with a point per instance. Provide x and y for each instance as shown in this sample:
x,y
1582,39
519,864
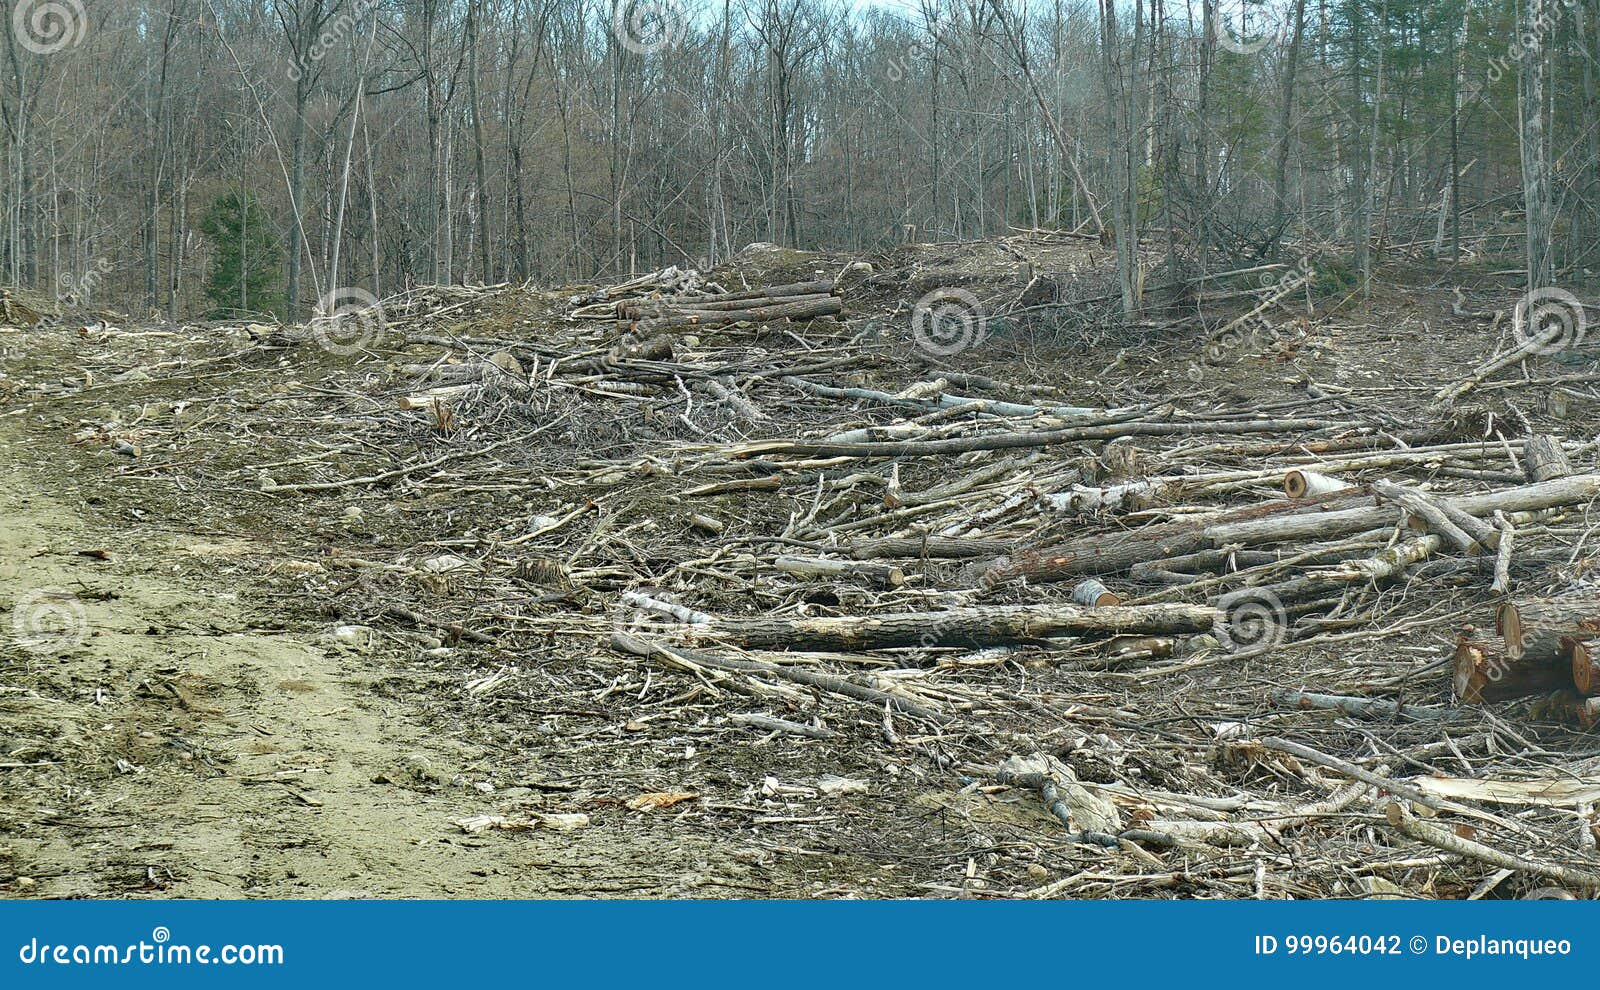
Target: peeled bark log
x,y
1543,459
1308,484
973,626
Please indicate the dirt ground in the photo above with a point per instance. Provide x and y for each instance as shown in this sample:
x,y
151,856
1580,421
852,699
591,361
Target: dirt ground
x,y
188,751
233,709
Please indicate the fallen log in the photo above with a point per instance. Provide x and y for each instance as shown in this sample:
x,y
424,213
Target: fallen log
x,y
1100,555
1535,629
820,567
1481,672
969,626
1470,534
930,547
679,318
1026,438
1307,483
1310,526
822,286
1442,838
690,659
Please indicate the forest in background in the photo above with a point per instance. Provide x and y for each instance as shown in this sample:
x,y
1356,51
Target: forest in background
x,y
185,157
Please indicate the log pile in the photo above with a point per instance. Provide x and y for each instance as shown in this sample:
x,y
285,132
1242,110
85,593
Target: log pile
x,y
795,301
1541,648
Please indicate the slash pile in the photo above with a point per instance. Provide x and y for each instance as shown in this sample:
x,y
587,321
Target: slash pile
x,y
1180,640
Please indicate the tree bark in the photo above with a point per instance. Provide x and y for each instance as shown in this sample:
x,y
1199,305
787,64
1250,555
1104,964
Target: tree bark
x,y
971,626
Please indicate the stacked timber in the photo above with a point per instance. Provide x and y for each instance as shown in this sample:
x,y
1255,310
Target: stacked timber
x,y
1541,648
773,303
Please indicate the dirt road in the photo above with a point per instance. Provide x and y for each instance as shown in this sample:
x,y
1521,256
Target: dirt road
x,y
155,742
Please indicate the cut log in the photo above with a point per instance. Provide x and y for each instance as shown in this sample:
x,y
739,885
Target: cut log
x,y
1309,484
1325,525
1093,594
1543,459
1566,706
819,567
971,626
1585,667
1534,630
1483,673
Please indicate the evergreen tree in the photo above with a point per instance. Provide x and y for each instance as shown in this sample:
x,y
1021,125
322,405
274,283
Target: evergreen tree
x,y
244,275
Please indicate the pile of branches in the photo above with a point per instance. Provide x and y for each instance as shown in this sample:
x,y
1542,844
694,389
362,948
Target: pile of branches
x,y
1068,587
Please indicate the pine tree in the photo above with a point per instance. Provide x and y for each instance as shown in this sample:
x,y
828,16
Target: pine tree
x,y
244,277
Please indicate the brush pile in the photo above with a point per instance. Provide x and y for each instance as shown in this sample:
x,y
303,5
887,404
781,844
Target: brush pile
x,y
1190,640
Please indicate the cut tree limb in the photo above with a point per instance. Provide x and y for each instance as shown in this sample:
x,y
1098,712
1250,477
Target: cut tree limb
x,y
971,626
1408,824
